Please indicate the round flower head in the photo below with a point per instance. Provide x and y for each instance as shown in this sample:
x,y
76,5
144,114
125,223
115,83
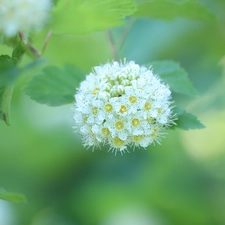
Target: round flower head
x,y
122,104
23,15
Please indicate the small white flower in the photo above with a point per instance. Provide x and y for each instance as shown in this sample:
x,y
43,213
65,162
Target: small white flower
x,y
122,104
23,15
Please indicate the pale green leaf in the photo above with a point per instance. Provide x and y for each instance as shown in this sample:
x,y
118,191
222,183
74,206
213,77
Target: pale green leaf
x,y
185,120
168,9
12,197
82,16
175,76
55,86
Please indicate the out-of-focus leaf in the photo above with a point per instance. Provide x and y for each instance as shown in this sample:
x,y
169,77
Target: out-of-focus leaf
x,y
6,65
168,9
55,86
174,75
8,74
5,62
5,101
77,17
18,52
186,121
12,197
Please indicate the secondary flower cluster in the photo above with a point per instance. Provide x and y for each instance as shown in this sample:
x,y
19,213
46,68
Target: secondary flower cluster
x,y
122,104
23,15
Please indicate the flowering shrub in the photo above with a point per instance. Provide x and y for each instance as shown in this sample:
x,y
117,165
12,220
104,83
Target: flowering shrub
x,y
120,104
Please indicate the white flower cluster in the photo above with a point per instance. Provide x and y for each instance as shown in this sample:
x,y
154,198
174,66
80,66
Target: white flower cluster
x,y
122,104
23,15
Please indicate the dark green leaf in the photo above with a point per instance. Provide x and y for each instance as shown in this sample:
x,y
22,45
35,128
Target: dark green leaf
x,y
177,78
12,197
5,62
168,9
18,52
76,17
55,86
5,101
6,70
186,121
8,75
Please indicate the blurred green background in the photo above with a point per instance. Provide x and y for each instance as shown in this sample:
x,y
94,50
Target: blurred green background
x,y
181,182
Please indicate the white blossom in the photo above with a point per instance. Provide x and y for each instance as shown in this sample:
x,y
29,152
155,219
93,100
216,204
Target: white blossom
x,y
122,104
23,15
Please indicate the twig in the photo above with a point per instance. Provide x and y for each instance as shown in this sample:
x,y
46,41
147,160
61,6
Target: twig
x,y
46,42
113,46
33,50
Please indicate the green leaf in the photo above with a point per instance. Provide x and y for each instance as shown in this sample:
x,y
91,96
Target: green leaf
x,y
6,68
12,197
5,101
18,52
177,78
186,121
168,9
55,86
77,17
5,62
8,74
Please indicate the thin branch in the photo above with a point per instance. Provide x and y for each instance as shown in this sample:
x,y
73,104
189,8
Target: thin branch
x,y
32,49
46,42
125,33
113,46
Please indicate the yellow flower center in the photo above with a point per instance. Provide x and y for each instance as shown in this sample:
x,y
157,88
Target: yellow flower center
x,y
147,106
159,110
108,108
137,138
135,122
94,110
118,142
149,120
105,131
133,99
119,125
155,132
95,91
123,109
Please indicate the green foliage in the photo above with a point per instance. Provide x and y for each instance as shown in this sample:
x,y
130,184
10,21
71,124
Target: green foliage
x,y
5,101
185,120
12,197
174,75
18,52
168,9
8,75
77,17
180,182
177,78
6,63
55,86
